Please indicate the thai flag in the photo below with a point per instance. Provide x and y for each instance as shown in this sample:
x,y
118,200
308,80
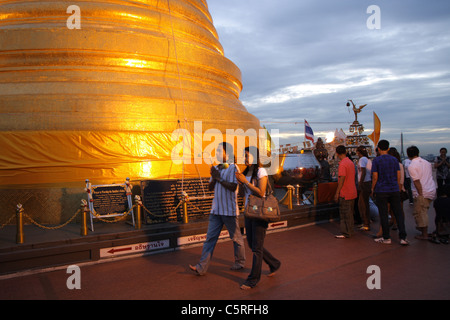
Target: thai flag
x,y
309,134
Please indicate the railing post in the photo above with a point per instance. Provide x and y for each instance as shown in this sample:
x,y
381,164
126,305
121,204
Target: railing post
x,y
19,222
138,202
290,190
84,210
184,199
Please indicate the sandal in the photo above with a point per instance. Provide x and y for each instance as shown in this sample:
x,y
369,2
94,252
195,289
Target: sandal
x,y
194,268
245,287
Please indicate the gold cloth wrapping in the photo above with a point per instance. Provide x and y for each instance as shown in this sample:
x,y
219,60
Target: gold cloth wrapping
x,y
102,101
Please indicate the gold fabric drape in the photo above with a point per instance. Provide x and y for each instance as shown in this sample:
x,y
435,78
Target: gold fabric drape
x,y
102,101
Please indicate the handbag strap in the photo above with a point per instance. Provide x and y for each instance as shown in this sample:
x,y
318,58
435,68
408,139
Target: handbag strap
x,y
269,190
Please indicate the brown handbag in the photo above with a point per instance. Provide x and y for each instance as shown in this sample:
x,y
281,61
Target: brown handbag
x,y
265,208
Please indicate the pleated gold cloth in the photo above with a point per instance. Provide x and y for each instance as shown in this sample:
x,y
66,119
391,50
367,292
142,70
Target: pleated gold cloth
x,y
101,102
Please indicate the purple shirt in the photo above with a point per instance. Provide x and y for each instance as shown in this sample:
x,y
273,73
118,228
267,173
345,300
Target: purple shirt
x,y
386,166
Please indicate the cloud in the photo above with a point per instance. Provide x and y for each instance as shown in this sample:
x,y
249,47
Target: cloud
x,y
305,59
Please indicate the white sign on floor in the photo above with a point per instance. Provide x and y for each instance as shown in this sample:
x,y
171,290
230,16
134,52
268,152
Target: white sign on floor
x,y
134,248
199,238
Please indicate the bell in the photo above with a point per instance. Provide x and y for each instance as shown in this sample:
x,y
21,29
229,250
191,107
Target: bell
x,y
103,101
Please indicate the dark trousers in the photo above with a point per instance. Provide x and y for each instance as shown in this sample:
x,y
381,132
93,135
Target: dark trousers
x,y
442,182
382,199
363,202
256,232
407,185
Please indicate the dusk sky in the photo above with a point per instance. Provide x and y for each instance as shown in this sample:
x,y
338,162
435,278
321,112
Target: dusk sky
x,y
303,59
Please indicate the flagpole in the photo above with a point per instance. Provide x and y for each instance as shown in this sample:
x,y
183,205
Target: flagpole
x,y
304,133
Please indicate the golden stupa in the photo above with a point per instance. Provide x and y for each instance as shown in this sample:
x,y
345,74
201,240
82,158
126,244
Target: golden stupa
x,y
101,100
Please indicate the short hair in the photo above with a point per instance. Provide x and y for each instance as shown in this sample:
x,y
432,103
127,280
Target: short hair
x,y
341,149
383,145
412,151
228,148
363,151
443,149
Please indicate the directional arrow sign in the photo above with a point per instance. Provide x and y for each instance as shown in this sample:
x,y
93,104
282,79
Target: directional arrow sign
x,y
276,225
115,250
134,248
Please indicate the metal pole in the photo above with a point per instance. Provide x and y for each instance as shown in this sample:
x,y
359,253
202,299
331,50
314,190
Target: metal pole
x,y
184,197
297,194
85,209
19,222
137,200
290,196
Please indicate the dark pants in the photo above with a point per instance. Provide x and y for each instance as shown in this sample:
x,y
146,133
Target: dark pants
x,y
408,189
393,198
256,232
363,202
442,182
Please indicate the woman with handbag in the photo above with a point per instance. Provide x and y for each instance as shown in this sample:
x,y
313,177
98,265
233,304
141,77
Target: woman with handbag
x,y
254,179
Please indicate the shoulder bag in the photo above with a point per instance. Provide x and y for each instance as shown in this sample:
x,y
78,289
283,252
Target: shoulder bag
x,y
265,208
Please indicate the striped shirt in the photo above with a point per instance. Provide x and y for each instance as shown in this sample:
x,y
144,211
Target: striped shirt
x,y
225,201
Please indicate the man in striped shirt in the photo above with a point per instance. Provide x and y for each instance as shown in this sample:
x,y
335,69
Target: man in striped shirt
x,y
224,211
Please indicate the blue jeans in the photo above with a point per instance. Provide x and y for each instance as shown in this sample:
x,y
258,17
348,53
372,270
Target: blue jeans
x,y
215,226
393,198
256,232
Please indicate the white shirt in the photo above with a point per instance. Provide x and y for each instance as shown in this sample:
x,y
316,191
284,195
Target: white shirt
x,y
406,164
225,201
364,162
261,173
420,169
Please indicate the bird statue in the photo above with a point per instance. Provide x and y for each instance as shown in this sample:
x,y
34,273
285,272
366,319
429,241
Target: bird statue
x,y
356,110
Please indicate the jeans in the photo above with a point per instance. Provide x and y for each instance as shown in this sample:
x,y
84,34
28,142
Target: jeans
x,y
215,226
393,198
256,232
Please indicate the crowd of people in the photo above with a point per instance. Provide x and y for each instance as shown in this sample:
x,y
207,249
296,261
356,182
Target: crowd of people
x,y
389,182
385,179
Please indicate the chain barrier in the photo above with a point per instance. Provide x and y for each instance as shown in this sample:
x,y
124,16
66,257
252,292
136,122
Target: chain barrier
x,y
54,227
40,225
7,221
289,187
116,219
20,214
165,214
